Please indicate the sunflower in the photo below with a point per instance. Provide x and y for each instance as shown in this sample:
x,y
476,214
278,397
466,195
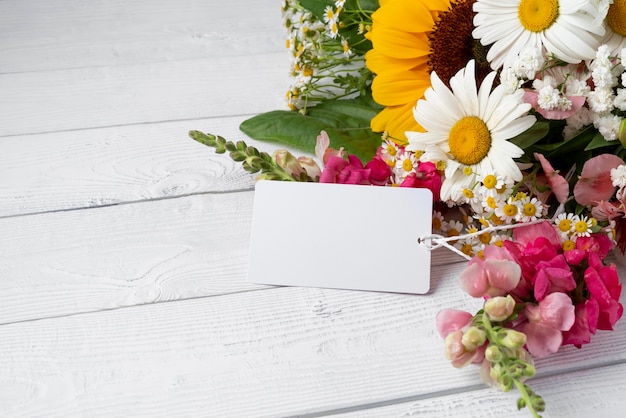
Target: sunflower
x,y
468,129
410,39
569,29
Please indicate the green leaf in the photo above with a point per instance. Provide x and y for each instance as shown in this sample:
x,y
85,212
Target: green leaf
x,y
345,121
598,141
532,135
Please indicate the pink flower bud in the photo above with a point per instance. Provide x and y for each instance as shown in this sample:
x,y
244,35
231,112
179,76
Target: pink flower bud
x,y
285,160
310,166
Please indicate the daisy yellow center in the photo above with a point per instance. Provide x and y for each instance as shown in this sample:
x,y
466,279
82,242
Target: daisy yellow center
x,y
529,209
616,17
568,245
391,150
468,193
485,238
490,181
469,140
467,249
565,225
436,223
580,226
407,165
537,15
499,243
491,202
509,209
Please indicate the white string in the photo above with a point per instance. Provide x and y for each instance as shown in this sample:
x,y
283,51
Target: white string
x,y
434,241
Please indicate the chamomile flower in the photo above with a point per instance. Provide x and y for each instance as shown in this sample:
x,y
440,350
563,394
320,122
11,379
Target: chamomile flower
x,y
330,15
453,228
438,221
531,209
565,224
509,211
582,228
470,127
406,164
564,28
389,151
490,184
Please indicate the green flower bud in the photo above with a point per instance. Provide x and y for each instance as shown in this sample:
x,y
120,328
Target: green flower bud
x,y
285,160
493,354
473,338
499,308
512,339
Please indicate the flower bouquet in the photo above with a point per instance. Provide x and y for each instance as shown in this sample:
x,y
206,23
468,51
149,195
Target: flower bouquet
x,y
512,113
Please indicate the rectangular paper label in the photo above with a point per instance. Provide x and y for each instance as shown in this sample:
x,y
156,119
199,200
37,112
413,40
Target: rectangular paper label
x,y
340,236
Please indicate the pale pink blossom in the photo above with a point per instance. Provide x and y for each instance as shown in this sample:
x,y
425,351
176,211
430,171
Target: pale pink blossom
x,y
558,184
594,183
322,150
546,322
489,278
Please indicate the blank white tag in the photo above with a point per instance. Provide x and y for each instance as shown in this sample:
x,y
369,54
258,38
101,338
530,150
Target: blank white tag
x,y
340,236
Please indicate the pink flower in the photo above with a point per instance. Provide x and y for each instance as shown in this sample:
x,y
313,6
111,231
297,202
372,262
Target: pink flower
x,y
490,277
558,184
604,210
449,320
339,170
380,172
452,325
594,183
532,97
546,321
551,276
585,323
323,152
605,289
426,177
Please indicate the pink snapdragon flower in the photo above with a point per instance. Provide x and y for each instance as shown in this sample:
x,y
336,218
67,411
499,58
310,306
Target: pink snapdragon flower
x,y
427,177
380,172
322,150
340,170
546,322
464,344
496,275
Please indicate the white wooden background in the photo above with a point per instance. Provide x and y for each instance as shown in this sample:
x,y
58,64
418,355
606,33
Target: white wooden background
x,y
124,244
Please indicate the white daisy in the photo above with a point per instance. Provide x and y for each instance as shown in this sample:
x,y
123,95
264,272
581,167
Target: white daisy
x,y
582,227
531,209
569,29
565,224
615,36
509,211
469,127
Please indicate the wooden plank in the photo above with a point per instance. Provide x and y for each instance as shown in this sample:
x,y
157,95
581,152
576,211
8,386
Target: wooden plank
x,y
275,352
597,392
36,35
68,262
69,170
109,96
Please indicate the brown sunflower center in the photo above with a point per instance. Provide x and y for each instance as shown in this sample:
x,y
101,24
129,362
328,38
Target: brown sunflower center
x,y
616,17
452,44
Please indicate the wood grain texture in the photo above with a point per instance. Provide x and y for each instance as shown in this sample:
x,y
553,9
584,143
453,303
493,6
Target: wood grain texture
x,y
275,352
69,170
76,261
587,393
84,98
44,36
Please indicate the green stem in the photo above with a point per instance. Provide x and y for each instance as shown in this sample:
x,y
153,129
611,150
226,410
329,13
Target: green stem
x,y
521,387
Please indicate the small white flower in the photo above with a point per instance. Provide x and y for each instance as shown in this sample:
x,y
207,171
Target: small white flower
x,y
582,228
509,210
529,61
340,3
620,100
565,224
406,164
608,126
548,97
601,100
618,176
